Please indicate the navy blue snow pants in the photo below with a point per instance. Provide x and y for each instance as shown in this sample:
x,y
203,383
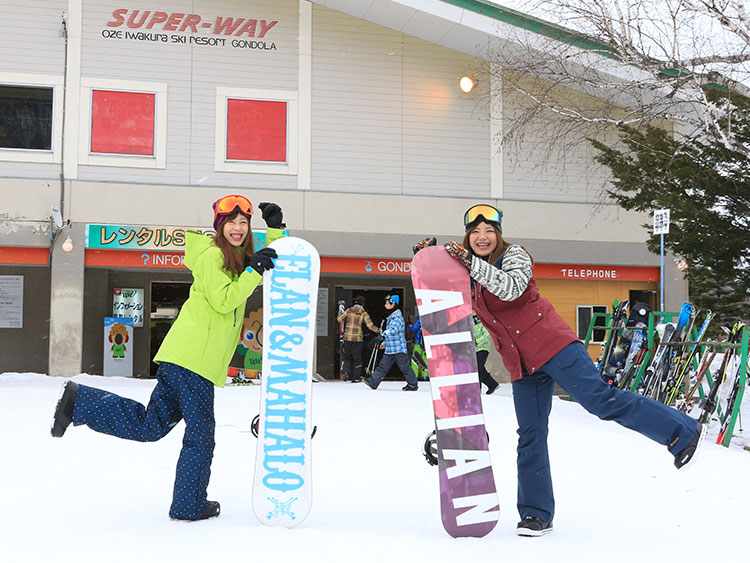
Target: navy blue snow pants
x,y
179,394
401,360
573,370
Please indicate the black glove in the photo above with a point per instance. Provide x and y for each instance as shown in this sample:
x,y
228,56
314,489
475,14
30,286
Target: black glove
x,y
379,338
424,243
272,215
262,260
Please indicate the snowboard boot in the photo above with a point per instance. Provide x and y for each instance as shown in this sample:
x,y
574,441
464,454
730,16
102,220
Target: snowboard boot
x,y
532,526
64,410
211,510
686,457
369,383
408,387
492,387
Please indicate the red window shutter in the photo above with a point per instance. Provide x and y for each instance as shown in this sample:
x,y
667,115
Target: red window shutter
x,y
122,122
256,130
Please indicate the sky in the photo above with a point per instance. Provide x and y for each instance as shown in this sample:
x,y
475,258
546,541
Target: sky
x,y
88,497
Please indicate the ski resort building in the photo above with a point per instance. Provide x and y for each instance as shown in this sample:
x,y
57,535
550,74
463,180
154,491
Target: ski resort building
x,y
121,121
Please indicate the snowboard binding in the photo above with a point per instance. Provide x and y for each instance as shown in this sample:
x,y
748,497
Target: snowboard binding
x,y
429,449
255,424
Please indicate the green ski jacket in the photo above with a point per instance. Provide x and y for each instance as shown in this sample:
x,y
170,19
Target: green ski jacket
x,y
205,334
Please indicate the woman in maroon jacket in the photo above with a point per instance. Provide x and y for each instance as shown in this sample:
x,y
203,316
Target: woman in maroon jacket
x,y
540,350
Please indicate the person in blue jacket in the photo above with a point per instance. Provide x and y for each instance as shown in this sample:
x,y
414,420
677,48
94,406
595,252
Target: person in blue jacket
x,y
193,358
395,349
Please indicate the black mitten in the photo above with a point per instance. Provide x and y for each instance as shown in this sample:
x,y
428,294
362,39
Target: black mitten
x,y
272,215
262,260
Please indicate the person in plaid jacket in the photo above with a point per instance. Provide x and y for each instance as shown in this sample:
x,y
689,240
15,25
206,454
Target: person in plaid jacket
x,y
395,348
353,318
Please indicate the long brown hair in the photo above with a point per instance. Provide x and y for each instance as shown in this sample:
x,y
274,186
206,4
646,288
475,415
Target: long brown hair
x,y
236,258
502,244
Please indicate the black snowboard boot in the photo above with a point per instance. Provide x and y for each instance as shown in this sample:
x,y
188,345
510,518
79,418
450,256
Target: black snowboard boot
x,y
687,456
64,409
533,526
212,510
408,387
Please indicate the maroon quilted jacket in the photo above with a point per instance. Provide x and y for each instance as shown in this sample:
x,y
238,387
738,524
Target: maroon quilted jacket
x,y
527,332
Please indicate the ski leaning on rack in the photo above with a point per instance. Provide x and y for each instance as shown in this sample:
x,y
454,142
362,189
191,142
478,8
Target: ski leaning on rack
x,y
607,344
636,353
685,364
613,345
731,401
282,486
706,361
651,384
468,498
708,404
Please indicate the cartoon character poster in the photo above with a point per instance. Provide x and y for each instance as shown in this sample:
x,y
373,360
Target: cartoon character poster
x,y
118,346
251,342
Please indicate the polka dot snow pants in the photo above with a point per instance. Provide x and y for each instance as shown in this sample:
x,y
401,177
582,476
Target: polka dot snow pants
x,y
179,394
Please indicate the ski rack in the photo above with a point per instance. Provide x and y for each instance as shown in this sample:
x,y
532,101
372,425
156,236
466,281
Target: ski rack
x,y
703,348
616,333
743,351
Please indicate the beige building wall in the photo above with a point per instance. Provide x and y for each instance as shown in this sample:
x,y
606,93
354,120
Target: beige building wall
x,y
395,152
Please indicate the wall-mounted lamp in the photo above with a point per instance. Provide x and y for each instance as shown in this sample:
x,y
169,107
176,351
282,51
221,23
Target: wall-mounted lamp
x,y
467,84
56,226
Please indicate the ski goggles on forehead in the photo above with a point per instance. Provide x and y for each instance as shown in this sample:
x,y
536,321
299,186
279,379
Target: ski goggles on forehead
x,y
228,204
478,213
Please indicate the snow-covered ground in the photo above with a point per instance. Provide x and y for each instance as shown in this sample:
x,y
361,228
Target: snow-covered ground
x,y
93,498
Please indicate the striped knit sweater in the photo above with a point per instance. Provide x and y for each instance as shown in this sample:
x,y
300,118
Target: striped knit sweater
x,y
507,282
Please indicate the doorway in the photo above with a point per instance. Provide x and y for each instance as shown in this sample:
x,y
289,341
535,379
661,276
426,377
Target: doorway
x,y
167,299
643,296
375,306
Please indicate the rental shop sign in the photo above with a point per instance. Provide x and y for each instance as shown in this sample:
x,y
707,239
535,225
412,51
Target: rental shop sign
x,y
194,29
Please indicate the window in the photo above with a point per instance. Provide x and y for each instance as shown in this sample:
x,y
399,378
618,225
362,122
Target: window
x,y
583,319
25,117
123,123
30,117
256,131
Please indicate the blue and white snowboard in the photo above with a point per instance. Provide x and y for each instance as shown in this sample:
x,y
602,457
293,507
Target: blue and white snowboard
x,y
282,488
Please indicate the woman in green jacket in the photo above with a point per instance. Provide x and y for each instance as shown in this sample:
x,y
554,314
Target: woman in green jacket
x,y
193,358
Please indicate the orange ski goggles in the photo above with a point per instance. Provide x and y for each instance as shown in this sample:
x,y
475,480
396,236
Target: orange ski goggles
x,y
227,205
478,213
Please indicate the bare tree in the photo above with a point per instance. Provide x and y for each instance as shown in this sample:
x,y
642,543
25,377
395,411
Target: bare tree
x,y
628,62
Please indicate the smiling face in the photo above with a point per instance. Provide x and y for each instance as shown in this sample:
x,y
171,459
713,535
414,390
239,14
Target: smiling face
x,y
235,229
483,239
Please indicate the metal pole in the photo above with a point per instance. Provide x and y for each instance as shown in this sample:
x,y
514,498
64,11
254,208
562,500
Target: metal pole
x,y
661,276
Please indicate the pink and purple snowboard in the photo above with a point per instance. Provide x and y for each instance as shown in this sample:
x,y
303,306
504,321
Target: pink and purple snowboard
x,y
468,498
